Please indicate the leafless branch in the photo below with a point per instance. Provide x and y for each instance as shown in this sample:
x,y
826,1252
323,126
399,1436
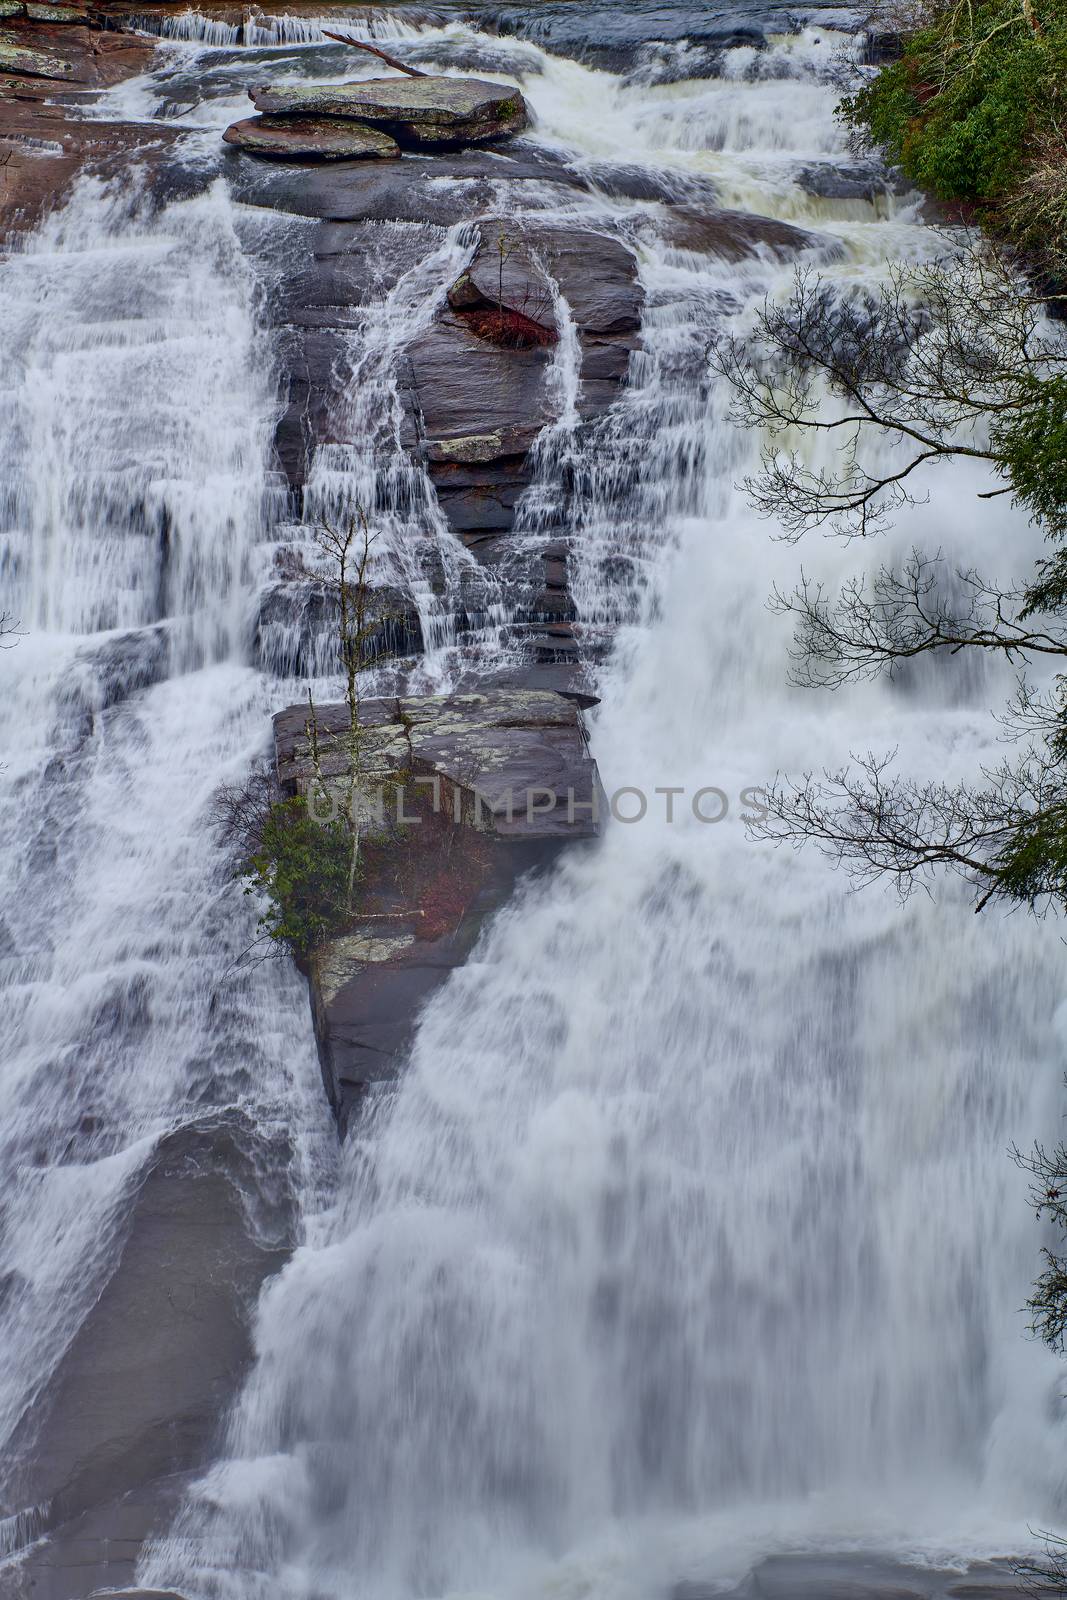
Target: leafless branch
x,y
372,49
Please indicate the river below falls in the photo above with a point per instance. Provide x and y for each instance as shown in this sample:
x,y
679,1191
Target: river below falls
x,y
688,1236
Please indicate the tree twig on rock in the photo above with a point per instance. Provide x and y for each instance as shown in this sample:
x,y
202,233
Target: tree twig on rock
x,y
360,44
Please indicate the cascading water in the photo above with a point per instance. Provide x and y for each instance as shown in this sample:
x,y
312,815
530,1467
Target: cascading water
x,y
139,402
688,1232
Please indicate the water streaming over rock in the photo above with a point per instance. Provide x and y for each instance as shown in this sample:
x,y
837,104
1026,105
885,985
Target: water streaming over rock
x,y
688,1232
139,402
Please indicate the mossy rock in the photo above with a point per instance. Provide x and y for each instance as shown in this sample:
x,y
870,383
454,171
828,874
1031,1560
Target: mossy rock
x,y
310,139
415,111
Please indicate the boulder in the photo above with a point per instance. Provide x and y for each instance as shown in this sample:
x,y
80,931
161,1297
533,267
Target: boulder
x,y
310,139
596,274
829,180
733,235
416,111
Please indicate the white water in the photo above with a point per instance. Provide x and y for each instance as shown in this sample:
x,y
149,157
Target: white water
x,y
689,1232
139,404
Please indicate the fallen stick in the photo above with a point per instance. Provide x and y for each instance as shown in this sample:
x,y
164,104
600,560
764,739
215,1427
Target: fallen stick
x,y
390,61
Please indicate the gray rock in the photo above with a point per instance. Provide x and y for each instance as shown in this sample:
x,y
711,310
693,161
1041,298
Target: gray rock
x,y
310,138
734,235
404,192
829,180
24,61
596,274
416,111
37,11
506,781
140,1392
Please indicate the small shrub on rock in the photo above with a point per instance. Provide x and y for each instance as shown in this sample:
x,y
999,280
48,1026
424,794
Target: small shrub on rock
x,y
301,866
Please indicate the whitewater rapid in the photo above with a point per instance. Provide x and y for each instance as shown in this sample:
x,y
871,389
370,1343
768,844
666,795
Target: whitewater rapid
x,y
689,1231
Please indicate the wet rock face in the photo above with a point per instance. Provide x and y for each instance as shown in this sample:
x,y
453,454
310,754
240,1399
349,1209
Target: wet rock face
x,y
311,139
415,111
864,1576
613,36
43,146
493,784
734,235
136,1400
857,180
479,404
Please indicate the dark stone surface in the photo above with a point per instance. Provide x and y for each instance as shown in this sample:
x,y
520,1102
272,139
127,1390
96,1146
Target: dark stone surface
x,y
507,764
861,1576
406,192
596,274
462,386
734,235
137,1399
479,406
310,138
612,36
415,111
859,180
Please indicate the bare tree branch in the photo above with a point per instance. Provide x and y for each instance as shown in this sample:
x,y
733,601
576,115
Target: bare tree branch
x,y
372,49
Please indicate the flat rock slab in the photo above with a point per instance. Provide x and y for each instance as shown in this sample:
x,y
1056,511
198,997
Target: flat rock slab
x,y
311,138
23,59
736,235
416,111
398,192
44,147
515,761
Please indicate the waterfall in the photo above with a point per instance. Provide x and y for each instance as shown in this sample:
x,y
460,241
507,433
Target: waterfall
x,y
688,1232
140,399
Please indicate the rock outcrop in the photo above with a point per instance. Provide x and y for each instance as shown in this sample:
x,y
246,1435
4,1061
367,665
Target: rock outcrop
x,y
311,139
471,791
478,403
47,50
733,235
417,112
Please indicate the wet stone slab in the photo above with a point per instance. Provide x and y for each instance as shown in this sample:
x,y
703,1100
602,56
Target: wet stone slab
x,y
416,111
311,139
